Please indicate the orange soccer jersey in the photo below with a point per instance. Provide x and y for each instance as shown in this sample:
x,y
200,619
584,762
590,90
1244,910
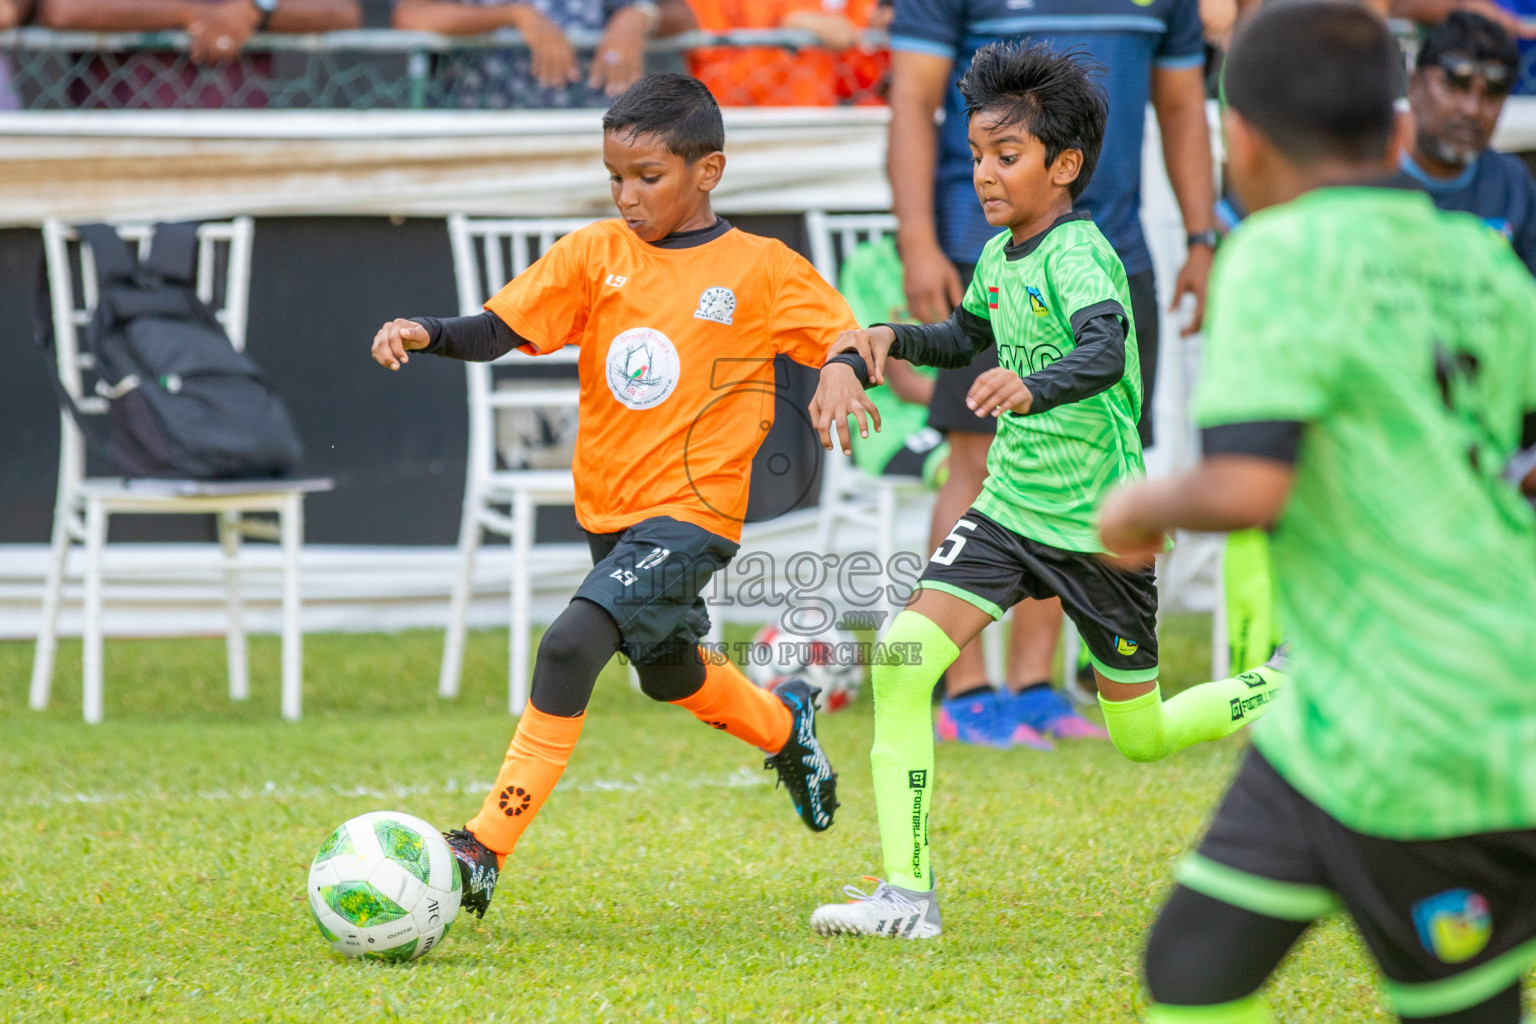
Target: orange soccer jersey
x,y
676,364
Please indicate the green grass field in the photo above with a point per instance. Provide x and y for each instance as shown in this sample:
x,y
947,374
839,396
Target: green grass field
x,y
154,865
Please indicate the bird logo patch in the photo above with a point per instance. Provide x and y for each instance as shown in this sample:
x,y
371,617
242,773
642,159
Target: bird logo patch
x,y
642,367
1126,647
1036,301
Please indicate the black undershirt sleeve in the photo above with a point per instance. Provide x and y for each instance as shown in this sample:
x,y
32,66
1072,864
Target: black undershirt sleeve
x,y
1279,440
1095,364
475,339
949,343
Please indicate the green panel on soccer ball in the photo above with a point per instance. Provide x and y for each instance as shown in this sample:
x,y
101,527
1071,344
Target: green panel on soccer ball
x,y
398,954
404,846
338,842
361,904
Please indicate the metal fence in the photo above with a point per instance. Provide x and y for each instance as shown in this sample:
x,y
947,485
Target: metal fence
x,y
385,69
368,69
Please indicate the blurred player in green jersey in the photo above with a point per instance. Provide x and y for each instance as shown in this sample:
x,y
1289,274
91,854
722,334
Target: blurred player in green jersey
x,y
870,279
1051,294
1370,375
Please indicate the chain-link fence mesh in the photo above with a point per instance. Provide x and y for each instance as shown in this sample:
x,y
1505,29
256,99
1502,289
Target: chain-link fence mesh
x,y
384,69
371,69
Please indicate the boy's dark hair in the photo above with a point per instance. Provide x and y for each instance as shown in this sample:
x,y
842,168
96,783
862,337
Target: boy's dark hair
x,y
677,109
1470,35
1318,79
1052,95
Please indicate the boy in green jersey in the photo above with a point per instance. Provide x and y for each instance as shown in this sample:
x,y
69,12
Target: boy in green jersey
x,y
1051,294
1370,375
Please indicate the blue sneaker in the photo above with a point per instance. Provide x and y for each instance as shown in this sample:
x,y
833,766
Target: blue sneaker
x,y
980,721
1049,713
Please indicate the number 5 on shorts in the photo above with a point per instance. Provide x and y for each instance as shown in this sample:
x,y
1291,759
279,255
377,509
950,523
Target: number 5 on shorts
x,y
949,550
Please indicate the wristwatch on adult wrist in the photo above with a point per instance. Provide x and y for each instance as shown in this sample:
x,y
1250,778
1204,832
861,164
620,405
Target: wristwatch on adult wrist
x,y
1206,238
267,9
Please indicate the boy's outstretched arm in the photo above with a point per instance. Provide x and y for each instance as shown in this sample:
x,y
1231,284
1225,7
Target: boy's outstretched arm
x,y
1221,493
476,339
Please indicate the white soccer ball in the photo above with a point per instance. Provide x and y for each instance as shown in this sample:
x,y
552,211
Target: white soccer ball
x,y
828,661
384,886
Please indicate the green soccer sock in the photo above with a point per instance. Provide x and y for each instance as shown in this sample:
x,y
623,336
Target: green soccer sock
x,y
902,754
1148,728
1248,585
1250,1010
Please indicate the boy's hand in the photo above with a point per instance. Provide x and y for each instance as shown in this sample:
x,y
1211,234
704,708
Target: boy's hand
x,y
996,390
1123,529
872,345
838,396
395,339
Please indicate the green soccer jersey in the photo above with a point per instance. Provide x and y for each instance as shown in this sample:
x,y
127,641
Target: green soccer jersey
x,y
1405,340
1047,472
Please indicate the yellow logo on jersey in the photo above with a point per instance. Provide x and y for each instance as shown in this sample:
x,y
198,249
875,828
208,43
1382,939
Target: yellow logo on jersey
x,y
1143,3
1126,647
1036,302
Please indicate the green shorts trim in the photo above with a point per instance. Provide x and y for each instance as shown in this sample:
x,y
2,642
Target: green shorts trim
x,y
1288,901
1248,1010
1122,675
1481,983
966,596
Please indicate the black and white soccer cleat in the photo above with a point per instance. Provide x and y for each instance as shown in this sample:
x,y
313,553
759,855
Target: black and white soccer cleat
x,y
802,764
477,870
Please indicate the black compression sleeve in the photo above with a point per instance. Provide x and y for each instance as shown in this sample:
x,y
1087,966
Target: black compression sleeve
x,y
951,343
475,339
1266,439
1095,364
1203,952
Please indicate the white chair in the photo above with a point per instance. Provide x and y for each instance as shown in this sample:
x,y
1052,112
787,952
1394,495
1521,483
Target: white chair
x,y
486,254
850,496
84,505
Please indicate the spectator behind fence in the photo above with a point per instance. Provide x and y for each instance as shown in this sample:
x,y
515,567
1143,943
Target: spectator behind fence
x,y
12,14
549,73
1466,67
219,30
769,76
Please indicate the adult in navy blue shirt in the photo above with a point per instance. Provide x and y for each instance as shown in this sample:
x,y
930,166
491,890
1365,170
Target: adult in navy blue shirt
x,y
1151,50
1466,67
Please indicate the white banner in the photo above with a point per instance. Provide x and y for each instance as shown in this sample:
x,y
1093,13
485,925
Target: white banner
x,y
182,165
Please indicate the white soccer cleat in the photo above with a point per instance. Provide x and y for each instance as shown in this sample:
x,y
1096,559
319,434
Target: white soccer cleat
x,y
890,911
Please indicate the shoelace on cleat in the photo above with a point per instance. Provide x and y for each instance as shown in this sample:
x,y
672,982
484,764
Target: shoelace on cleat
x,y
884,893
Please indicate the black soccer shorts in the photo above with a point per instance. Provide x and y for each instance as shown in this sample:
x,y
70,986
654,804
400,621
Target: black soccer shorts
x,y
1452,922
988,565
651,578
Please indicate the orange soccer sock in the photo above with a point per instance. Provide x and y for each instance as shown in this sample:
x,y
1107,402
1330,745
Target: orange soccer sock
x,y
729,701
540,749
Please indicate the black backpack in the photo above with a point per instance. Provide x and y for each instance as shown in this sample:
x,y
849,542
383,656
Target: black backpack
x,y
182,403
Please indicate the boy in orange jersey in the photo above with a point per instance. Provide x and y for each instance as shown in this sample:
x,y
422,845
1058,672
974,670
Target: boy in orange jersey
x,y
673,310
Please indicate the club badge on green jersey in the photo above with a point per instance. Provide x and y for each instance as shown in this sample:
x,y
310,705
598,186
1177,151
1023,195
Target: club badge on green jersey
x,y
1036,301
